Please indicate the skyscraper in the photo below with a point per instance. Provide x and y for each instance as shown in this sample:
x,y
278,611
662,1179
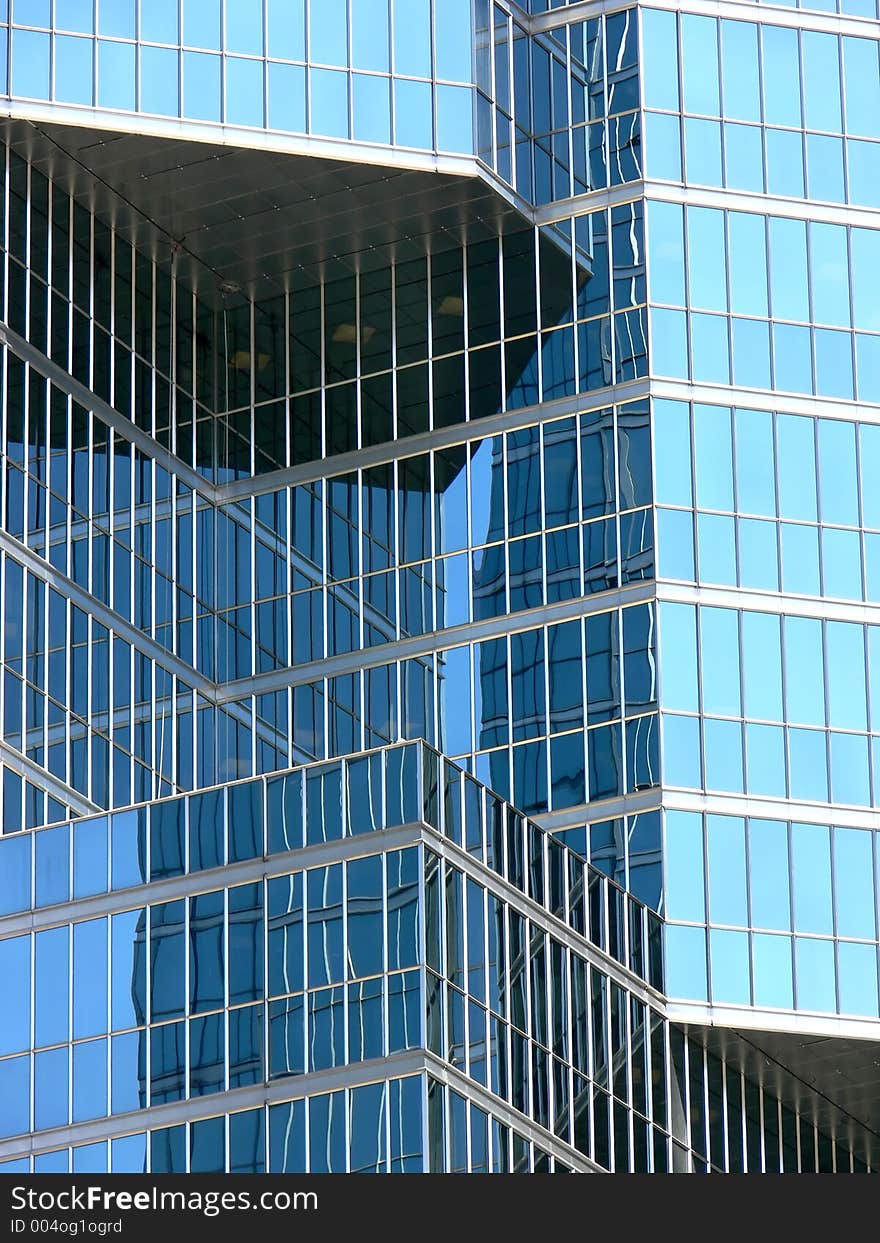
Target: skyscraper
x,y
441,586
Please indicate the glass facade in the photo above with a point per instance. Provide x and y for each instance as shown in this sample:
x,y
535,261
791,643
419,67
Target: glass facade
x,y
440,585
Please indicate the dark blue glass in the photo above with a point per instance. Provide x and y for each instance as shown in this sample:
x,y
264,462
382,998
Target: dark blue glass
x,y
287,1138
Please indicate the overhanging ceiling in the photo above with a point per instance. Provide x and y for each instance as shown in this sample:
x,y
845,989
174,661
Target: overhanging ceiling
x,y
252,217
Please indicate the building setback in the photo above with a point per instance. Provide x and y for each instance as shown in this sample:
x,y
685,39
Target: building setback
x,y
440,586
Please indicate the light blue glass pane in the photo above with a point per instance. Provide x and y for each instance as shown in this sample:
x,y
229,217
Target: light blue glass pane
x,y
678,651
681,752
765,760
686,963
825,168
717,549
811,876
727,870
782,88
768,874
788,271
51,1091
855,910
762,666
845,671
128,849
857,978
413,122
371,108
702,146
90,1158
412,37
755,458
89,857
743,157
128,959
160,22
739,63
89,1080
748,264
160,91
814,967
841,564
76,15
201,86
15,873
868,365
89,978
874,673
52,1162
30,64
707,273
792,362
861,84
287,98
839,493
699,57
15,1015
796,459
751,353
455,691
869,454
370,35
329,103
244,27
672,453
666,253
127,1088
863,163
286,35
834,370
129,1154
719,654
117,18
800,559
31,12
51,991
453,41
758,559
455,123
22,1165
772,971
73,70
52,865
785,163
805,687
659,60
865,249
116,75
872,568
675,544
729,961
709,349
821,81
244,91
830,274
850,781
662,138
328,32
722,741
15,1096
201,23
808,765
714,457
